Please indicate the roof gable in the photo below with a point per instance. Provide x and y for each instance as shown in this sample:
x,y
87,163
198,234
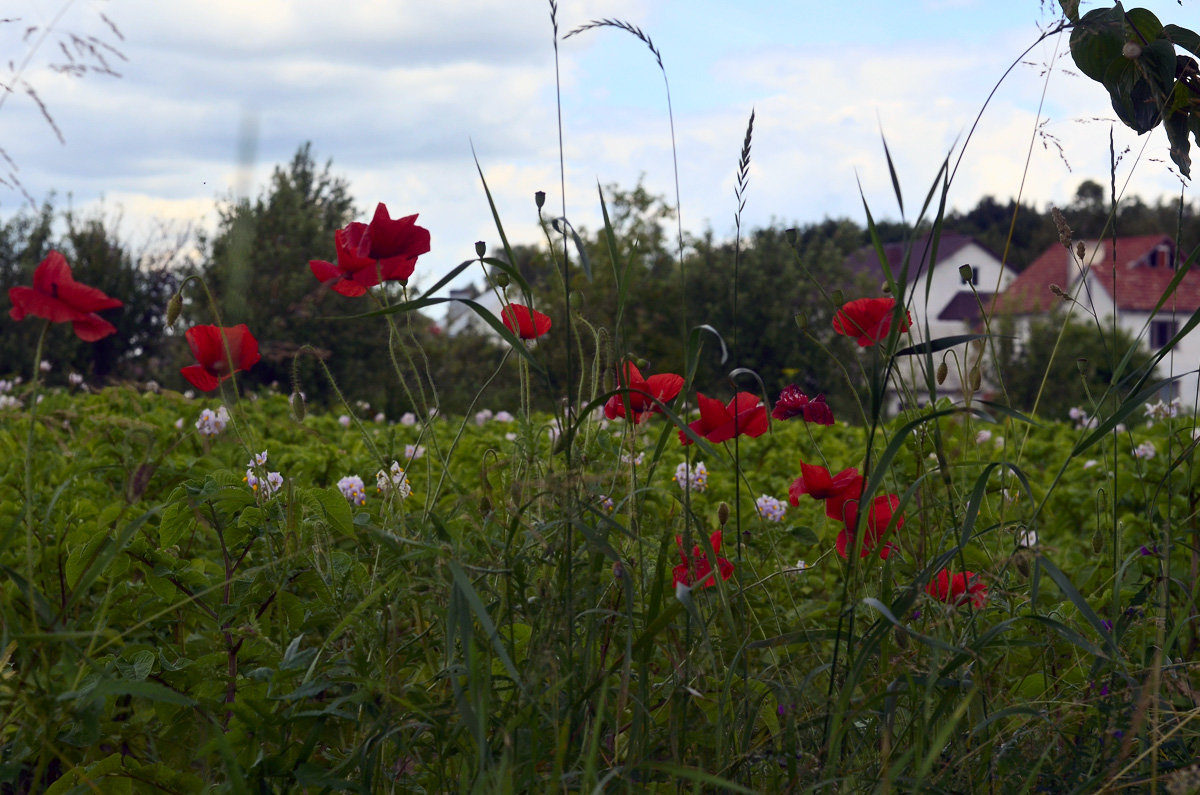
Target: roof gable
x,y
1142,272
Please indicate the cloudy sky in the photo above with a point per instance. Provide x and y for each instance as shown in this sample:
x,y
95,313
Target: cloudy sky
x,y
212,95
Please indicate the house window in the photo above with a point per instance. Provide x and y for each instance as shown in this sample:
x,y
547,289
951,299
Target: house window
x,y
1161,332
972,277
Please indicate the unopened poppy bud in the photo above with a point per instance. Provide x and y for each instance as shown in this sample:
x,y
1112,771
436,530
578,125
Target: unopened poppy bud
x,y
539,198
966,273
885,288
174,307
838,297
941,373
1132,50
640,363
485,505
975,378
1021,562
480,248
723,513
1098,540
1081,364
297,403
791,235
801,320
500,279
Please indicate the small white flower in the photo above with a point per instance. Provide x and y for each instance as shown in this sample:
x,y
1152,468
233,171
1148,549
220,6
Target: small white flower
x,y
636,460
153,388
482,417
45,366
260,459
179,424
412,451
211,423
606,502
6,386
408,419
9,402
998,441
510,436
434,412
1076,413
191,393
982,436
274,482
362,405
394,482
1091,462
380,418
1027,538
75,379
1144,451
503,416
799,567
344,421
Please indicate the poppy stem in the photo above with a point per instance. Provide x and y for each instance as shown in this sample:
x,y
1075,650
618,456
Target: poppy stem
x,y
30,569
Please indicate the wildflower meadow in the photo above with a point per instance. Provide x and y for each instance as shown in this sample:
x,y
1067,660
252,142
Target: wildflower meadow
x,y
618,564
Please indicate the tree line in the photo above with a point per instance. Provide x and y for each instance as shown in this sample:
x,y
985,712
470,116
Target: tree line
x,y
767,299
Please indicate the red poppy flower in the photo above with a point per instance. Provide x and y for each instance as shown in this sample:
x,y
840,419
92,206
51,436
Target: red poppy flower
x,y
526,323
57,297
794,403
395,243
958,589
720,422
664,387
698,562
816,482
353,274
883,508
213,361
868,320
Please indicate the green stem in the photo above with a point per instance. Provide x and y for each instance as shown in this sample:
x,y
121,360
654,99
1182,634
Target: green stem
x,y
33,404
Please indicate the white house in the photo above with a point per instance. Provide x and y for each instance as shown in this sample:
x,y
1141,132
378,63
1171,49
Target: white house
x,y
1124,278
943,301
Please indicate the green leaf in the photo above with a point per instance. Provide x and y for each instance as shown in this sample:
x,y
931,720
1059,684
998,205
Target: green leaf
x,y
1097,41
151,691
1070,9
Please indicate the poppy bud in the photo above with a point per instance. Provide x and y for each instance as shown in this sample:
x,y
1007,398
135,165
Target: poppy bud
x,y
1021,562
480,248
539,198
941,373
485,505
723,513
801,320
1081,364
500,279
966,273
885,288
1098,540
641,364
790,235
975,378
174,307
838,297
297,403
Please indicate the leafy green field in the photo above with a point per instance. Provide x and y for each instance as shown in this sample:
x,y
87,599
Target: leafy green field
x,y
182,629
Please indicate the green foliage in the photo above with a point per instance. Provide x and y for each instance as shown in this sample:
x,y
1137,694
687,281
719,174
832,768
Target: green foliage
x,y
1057,364
1133,55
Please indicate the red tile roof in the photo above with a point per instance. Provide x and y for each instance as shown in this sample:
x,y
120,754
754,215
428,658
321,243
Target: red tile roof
x,y
1138,280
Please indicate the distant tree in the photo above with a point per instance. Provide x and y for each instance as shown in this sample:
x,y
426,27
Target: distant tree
x,y
1066,365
